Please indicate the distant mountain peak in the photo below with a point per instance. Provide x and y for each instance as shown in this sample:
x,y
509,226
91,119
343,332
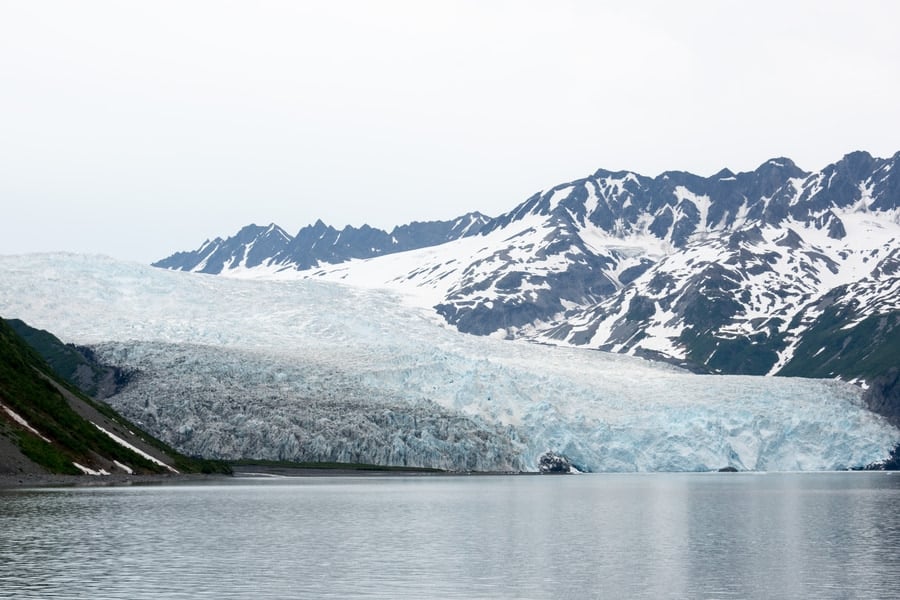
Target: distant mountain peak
x,y
780,162
273,248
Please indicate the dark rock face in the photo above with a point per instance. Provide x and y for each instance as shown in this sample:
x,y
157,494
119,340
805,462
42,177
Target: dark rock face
x,y
883,395
315,244
250,247
840,340
731,298
725,273
322,243
76,364
553,463
509,309
733,210
891,463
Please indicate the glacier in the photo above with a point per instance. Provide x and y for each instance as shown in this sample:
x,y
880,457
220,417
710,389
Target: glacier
x,y
314,370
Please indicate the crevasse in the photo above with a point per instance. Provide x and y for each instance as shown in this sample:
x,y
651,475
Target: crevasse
x,y
306,370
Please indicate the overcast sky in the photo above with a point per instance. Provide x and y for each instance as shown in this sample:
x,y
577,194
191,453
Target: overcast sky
x,y
136,129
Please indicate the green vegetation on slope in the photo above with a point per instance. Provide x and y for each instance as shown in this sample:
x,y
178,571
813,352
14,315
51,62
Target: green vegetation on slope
x,y
832,348
749,355
30,388
75,365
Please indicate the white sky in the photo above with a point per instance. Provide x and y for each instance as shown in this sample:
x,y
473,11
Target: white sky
x,y
136,129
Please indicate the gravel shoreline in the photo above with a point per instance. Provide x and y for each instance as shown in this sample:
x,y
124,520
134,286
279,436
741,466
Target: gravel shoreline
x,y
42,480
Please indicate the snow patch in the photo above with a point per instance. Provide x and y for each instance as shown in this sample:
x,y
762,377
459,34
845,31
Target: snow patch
x,y
88,471
123,467
134,449
21,421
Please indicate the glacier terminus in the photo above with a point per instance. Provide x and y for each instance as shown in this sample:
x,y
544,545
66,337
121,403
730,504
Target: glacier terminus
x,y
308,370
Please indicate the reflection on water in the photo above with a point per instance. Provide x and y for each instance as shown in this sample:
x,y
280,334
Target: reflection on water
x,y
833,535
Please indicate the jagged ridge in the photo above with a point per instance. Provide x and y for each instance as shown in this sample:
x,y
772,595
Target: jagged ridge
x,y
727,273
255,246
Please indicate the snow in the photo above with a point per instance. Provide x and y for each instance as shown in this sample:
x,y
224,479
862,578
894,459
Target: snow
x,y
88,471
662,333
240,261
638,243
313,369
125,468
426,276
777,282
203,264
134,449
558,196
701,202
21,421
593,199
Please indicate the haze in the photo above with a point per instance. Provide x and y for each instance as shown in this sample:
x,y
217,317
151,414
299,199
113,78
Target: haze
x,y
139,129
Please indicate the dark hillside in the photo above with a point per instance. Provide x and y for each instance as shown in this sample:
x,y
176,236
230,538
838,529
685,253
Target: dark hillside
x,y
74,364
47,426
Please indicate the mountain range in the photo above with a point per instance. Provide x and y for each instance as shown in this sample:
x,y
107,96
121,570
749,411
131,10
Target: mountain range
x,y
255,246
307,370
355,346
773,271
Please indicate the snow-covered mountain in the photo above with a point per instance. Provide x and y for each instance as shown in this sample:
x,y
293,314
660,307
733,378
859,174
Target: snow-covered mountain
x,y
313,370
745,301
772,271
256,246
745,287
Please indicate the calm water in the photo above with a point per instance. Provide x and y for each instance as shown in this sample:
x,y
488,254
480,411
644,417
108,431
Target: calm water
x,y
831,535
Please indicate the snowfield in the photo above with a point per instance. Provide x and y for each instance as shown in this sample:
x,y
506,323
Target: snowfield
x,y
312,370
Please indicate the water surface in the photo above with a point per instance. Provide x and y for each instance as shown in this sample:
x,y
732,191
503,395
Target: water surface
x,y
824,535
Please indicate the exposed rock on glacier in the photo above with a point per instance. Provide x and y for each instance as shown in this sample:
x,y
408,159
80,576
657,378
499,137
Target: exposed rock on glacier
x,y
317,371
551,462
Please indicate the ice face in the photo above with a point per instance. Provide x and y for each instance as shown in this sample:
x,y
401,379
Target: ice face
x,y
307,370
